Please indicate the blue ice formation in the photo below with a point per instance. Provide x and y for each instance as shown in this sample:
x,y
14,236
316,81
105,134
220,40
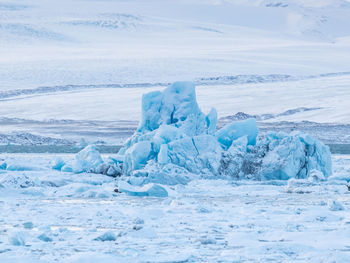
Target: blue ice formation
x,y
175,134
293,156
3,165
89,160
107,236
85,161
17,239
236,130
175,142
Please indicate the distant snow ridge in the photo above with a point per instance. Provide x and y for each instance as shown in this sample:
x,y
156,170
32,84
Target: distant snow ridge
x,y
176,141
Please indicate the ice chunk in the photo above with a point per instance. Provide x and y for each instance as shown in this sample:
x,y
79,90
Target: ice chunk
x,y
21,167
59,163
28,225
67,168
17,239
294,156
87,159
147,190
107,236
316,176
44,237
227,134
334,205
3,165
137,156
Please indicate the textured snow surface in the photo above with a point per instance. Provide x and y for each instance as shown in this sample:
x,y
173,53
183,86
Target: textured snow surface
x,y
50,216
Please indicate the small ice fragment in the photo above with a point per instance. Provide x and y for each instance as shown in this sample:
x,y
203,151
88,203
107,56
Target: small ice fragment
x,y
316,176
87,159
67,168
59,163
3,165
334,205
107,236
147,190
28,225
17,239
45,238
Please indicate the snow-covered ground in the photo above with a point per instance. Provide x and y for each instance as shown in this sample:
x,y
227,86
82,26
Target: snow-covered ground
x,y
64,217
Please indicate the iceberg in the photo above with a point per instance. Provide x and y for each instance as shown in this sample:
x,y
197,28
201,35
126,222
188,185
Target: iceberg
x,y
175,142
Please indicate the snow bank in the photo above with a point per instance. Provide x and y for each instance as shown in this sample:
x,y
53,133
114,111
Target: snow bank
x,y
176,141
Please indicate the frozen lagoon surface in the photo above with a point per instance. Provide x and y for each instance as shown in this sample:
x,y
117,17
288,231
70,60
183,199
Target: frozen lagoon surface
x,y
50,216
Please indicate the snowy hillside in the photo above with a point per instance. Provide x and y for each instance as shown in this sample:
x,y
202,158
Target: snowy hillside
x,y
49,43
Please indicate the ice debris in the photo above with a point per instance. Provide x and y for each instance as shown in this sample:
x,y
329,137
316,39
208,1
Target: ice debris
x,y
147,190
17,239
107,236
28,225
3,165
44,237
175,142
89,160
334,205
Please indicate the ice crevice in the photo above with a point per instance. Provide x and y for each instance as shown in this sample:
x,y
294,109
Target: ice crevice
x,y
175,141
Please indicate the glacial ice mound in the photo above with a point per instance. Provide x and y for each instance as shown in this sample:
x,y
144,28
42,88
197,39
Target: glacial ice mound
x,y
176,142
175,133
